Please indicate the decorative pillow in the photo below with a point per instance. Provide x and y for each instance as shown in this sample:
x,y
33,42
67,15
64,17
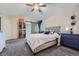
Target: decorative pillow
x,y
47,32
51,32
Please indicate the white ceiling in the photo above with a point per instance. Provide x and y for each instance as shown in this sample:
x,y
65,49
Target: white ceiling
x,y
20,9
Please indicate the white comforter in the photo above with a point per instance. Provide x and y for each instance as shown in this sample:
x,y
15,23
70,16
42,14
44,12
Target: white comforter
x,y
35,40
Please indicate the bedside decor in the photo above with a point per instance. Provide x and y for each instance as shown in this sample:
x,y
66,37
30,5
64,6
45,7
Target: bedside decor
x,y
72,23
71,31
73,17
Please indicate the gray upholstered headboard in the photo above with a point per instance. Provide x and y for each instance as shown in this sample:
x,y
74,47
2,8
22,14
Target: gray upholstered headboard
x,y
53,29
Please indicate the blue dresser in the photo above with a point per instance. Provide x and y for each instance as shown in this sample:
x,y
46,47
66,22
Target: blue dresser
x,y
70,40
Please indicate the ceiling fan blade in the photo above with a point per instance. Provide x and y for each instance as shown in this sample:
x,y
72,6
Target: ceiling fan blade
x,y
32,9
34,4
42,5
29,5
39,10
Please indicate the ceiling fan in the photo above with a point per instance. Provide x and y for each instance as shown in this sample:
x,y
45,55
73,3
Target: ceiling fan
x,y
36,6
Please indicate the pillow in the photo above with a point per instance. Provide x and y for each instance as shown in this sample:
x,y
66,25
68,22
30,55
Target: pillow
x,y
51,32
47,32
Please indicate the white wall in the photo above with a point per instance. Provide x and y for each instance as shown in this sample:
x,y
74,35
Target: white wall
x,y
6,26
14,27
61,16
9,25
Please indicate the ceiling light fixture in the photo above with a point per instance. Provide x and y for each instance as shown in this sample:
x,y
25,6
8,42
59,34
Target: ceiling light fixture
x,y
36,6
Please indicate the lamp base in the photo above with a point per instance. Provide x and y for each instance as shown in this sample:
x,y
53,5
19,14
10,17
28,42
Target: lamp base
x,y
71,31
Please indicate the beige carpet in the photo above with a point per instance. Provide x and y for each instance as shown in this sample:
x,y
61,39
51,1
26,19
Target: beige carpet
x,y
19,48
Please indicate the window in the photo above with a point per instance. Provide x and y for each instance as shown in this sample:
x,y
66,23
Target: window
x,y
28,27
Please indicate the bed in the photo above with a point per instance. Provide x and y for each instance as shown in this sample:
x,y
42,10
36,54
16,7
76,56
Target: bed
x,y
38,42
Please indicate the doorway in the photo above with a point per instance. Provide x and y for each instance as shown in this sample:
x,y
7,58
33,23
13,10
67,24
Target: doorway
x,y
21,28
